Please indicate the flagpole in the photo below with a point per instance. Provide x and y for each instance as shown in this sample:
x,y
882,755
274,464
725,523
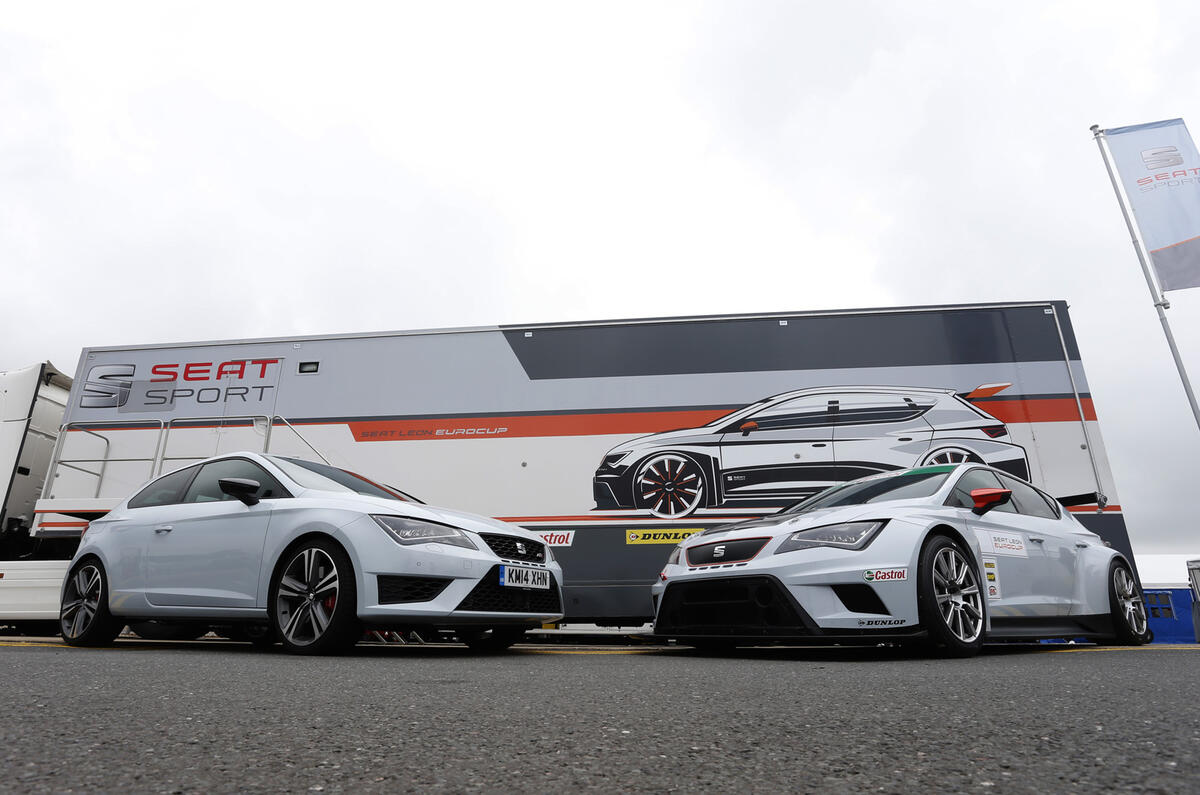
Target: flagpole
x,y
1160,301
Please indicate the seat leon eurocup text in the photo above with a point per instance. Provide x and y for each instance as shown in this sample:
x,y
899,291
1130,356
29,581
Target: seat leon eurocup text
x,y
306,554
951,554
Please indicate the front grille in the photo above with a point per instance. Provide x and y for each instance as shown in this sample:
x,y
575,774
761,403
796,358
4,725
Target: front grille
x,y
510,548
860,598
732,606
491,597
394,589
725,551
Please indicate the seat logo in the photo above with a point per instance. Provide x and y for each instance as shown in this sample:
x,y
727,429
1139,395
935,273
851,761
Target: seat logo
x,y
521,548
719,551
107,386
1161,157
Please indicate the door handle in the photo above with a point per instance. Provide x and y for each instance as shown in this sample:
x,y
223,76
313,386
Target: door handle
x,y
818,444
1079,545
1036,540
163,528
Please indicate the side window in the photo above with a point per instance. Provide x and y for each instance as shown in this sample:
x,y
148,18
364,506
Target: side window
x,y
856,409
167,490
205,488
801,412
972,479
1029,500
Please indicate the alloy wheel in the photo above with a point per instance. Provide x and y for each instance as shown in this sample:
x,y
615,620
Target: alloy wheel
x,y
82,600
951,455
307,596
957,592
670,486
1130,600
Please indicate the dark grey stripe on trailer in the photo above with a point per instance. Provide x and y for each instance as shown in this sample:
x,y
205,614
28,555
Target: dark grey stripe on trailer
x,y
794,342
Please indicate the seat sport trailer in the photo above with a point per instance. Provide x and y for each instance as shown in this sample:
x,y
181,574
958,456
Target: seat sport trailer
x,y
613,440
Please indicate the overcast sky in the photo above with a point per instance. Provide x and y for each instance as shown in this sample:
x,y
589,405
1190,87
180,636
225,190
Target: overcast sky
x,y
174,171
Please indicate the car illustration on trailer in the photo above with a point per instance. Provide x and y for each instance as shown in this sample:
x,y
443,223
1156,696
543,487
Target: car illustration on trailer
x,y
953,555
797,443
305,554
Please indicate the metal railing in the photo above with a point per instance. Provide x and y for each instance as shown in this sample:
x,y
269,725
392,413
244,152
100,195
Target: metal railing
x,y
156,461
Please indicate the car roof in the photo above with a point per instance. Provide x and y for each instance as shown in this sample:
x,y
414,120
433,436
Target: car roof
x,y
841,390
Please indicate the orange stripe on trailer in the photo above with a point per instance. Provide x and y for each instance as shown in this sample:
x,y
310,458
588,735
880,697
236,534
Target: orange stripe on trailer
x,y
1093,509
535,425
1039,410
64,524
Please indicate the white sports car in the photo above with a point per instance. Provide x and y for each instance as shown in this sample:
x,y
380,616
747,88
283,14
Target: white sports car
x,y
787,447
952,555
306,554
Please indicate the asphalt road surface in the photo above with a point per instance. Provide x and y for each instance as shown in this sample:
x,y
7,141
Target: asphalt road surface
x,y
216,717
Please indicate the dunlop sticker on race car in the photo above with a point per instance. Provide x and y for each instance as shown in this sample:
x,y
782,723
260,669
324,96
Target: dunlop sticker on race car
x,y
991,573
885,575
660,536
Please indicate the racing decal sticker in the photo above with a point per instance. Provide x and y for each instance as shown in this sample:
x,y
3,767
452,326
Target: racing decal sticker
x,y
1003,544
991,574
885,575
558,538
881,622
660,536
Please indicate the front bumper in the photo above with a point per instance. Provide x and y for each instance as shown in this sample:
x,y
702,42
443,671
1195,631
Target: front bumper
x,y
441,585
822,592
754,608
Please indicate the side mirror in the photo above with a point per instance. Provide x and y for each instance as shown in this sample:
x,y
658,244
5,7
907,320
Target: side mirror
x,y
987,499
747,426
240,488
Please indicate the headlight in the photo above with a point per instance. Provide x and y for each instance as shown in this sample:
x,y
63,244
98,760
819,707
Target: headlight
x,y
415,531
848,535
612,459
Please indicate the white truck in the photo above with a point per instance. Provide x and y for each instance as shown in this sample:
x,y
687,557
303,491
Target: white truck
x,y
613,440
32,402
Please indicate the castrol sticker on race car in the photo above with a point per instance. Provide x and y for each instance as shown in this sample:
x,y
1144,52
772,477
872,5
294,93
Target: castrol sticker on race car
x,y
558,538
1003,544
885,575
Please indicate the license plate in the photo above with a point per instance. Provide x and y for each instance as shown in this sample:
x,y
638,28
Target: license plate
x,y
521,577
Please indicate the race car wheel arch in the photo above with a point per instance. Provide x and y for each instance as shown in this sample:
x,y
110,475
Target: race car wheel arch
x,y
655,478
1127,605
950,601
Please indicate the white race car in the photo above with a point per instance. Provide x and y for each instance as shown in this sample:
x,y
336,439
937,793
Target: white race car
x,y
306,554
953,555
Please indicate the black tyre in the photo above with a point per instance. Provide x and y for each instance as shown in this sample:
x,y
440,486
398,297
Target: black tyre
x,y
313,599
167,630
1128,608
669,485
83,618
949,599
491,640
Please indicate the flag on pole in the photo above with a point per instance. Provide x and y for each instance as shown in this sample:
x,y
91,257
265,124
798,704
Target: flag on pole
x,y
1160,172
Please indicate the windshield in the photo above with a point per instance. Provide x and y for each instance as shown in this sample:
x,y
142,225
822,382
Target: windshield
x,y
906,485
743,411
323,477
